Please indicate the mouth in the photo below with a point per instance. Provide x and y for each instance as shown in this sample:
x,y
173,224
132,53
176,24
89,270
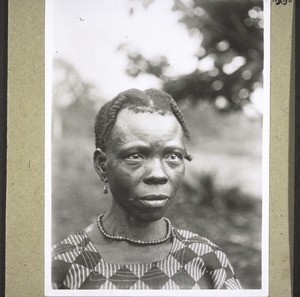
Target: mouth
x,y
155,201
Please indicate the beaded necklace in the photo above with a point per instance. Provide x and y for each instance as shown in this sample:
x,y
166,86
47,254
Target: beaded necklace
x,y
130,240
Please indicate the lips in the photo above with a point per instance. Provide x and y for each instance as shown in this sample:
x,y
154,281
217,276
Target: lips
x,y
154,197
155,201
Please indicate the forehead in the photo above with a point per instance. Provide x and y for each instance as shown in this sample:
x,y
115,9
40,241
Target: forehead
x,y
144,126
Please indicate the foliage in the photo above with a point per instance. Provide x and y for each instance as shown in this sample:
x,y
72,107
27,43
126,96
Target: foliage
x,y
71,95
231,35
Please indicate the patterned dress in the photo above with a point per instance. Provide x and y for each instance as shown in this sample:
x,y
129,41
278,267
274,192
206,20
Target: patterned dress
x,y
193,262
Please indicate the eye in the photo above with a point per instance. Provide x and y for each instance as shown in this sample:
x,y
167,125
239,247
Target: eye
x,y
174,157
134,157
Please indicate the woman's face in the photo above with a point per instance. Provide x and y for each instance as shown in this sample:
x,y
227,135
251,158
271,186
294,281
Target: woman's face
x,y
145,162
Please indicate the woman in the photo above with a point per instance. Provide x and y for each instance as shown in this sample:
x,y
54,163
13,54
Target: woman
x,y
140,154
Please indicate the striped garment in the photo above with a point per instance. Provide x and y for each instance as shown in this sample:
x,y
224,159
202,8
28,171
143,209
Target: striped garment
x,y
194,262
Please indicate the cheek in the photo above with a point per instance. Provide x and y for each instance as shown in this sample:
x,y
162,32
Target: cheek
x,y
121,178
176,176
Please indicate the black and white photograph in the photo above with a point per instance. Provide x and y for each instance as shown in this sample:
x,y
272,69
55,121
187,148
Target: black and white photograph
x,y
157,147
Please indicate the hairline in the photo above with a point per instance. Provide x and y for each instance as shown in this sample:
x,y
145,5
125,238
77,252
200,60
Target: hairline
x,y
160,112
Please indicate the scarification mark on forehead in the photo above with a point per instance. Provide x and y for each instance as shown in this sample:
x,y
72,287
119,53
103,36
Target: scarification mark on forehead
x,y
150,109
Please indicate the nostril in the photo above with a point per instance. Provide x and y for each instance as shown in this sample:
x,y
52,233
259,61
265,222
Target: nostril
x,y
155,180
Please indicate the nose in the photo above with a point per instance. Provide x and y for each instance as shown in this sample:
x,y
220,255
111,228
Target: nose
x,y
156,173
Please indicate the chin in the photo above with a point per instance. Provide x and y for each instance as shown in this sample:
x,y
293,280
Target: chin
x,y
151,216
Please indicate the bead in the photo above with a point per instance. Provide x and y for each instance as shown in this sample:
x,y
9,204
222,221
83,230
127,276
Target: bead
x,y
133,241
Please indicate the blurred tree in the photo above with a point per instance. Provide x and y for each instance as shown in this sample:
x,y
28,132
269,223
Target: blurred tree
x,y
231,34
73,101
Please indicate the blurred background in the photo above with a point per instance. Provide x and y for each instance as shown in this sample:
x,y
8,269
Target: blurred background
x,y
209,56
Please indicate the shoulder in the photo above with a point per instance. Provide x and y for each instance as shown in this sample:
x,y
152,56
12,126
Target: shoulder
x,y
64,255
190,238
69,245
215,261
209,252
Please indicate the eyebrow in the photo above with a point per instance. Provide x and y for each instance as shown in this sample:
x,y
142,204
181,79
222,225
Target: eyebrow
x,y
141,147
188,157
134,146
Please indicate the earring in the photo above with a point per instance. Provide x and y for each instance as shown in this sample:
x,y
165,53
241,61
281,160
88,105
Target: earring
x,y
105,189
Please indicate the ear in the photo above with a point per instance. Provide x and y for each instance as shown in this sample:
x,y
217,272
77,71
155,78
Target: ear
x,y
100,164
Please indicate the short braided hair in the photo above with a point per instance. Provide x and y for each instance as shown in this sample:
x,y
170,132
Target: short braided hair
x,y
150,100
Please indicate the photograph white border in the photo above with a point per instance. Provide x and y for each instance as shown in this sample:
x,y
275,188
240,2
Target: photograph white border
x,y
265,184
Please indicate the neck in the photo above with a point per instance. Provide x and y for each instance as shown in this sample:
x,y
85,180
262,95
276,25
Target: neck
x,y
118,222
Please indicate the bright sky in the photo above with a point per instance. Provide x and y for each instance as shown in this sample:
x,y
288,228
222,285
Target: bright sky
x,y
86,34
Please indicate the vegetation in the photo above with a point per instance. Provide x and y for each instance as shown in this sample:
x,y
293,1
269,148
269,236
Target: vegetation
x,y
231,38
